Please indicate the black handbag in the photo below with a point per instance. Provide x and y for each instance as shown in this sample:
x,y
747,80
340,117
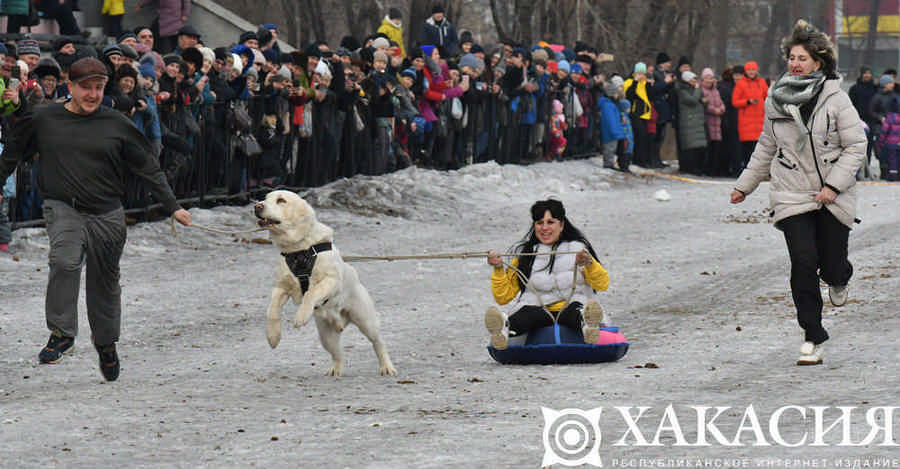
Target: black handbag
x,y
248,145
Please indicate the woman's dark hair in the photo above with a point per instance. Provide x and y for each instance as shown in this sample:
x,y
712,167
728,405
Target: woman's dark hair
x,y
530,241
817,43
728,75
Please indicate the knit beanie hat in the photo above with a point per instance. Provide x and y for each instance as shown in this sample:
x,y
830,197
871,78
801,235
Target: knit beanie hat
x,y
557,106
381,43
540,56
380,56
468,60
885,80
258,57
662,57
640,67
146,70
60,42
28,46
221,53
564,66
751,65
707,72
610,88
126,70
575,68
394,14
684,61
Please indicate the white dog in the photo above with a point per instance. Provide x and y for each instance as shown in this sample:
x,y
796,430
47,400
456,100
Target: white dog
x,y
312,272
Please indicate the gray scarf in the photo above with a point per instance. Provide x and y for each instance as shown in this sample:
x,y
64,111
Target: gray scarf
x,y
792,91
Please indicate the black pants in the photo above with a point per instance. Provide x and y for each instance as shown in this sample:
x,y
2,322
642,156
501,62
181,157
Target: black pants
x,y
746,151
529,318
817,244
642,142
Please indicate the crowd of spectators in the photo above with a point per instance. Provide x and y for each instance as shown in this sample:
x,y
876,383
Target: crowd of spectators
x,y
225,119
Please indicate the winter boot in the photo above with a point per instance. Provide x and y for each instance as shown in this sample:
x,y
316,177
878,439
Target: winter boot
x,y
593,319
495,322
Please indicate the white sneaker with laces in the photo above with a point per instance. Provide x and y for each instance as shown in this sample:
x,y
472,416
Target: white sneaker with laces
x,y
495,322
593,319
810,354
838,295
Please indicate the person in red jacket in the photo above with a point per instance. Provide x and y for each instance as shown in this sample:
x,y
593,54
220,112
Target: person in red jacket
x,y
748,97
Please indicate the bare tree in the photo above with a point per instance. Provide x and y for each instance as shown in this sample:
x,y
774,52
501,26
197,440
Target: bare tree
x,y
872,32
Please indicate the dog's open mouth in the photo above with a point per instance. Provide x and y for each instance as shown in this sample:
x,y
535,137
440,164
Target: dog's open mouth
x,y
267,222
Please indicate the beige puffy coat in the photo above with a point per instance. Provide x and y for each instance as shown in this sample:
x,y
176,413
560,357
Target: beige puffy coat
x,y
801,163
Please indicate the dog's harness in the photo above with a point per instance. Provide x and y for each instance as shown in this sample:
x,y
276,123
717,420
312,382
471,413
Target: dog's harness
x,y
301,263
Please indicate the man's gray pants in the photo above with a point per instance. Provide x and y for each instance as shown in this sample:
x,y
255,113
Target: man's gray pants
x,y
76,239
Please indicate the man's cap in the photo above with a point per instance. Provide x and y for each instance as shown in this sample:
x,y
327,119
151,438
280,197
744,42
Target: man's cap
x,y
246,36
188,30
85,68
126,35
112,49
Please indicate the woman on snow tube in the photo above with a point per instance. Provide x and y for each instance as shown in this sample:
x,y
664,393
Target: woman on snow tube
x,y
559,286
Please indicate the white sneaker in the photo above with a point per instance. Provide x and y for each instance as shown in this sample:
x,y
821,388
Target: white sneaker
x,y
593,319
495,322
838,295
810,354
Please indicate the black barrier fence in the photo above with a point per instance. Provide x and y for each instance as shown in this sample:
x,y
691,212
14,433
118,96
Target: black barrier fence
x,y
239,151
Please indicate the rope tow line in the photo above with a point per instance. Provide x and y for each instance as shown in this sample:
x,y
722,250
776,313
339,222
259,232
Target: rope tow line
x,y
451,255
213,230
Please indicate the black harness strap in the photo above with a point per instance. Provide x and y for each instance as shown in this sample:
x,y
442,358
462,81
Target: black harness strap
x,y
301,263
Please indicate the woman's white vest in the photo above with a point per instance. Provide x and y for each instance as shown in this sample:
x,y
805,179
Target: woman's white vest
x,y
556,286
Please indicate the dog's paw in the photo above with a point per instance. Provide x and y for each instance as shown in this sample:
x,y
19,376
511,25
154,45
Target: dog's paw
x,y
336,370
388,370
302,318
273,332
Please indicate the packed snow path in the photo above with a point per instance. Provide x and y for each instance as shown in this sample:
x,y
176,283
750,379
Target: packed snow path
x,y
698,286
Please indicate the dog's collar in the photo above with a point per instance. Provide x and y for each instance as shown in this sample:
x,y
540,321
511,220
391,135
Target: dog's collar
x,y
301,263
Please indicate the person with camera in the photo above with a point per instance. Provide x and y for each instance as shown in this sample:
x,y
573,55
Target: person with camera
x,y
749,95
9,103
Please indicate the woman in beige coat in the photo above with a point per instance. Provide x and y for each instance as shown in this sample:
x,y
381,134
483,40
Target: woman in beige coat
x,y
811,146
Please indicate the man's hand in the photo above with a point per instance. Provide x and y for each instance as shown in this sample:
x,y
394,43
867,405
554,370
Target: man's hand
x,y
737,196
182,216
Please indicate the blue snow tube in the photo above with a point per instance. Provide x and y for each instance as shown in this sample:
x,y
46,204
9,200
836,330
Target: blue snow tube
x,y
559,345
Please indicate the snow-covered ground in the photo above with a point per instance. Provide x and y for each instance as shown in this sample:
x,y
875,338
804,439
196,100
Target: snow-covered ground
x,y
699,287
